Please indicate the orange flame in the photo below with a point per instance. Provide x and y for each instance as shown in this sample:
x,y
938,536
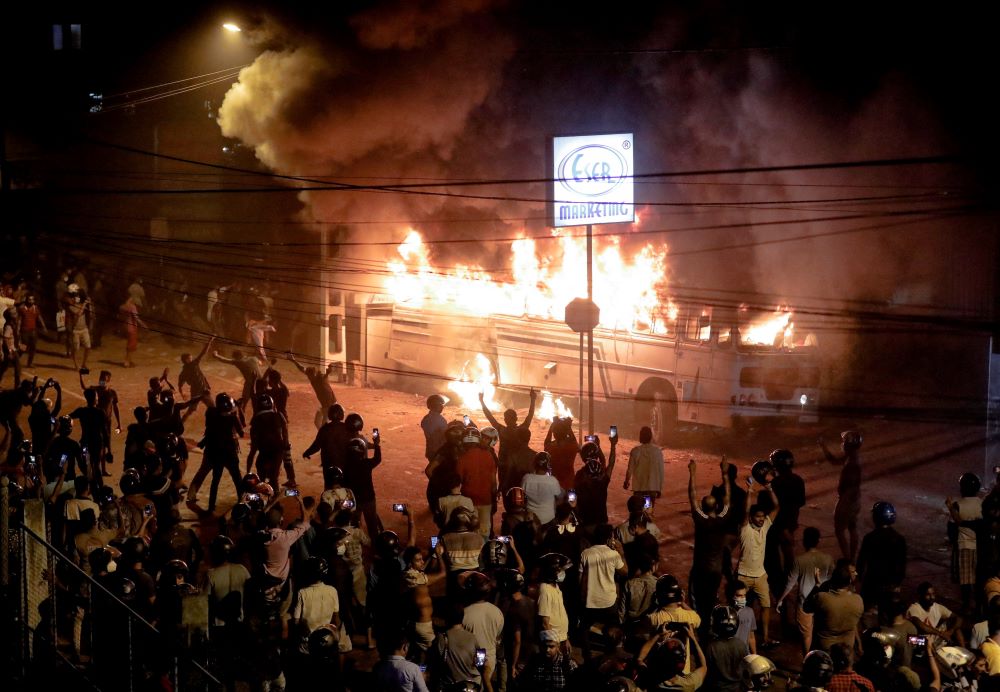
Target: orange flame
x,y
775,330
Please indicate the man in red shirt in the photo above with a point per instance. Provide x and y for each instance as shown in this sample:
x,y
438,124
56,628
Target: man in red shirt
x,y
477,467
31,319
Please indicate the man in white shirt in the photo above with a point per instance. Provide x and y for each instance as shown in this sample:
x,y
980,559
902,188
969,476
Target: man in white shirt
x,y
645,468
600,564
541,489
484,620
930,617
750,570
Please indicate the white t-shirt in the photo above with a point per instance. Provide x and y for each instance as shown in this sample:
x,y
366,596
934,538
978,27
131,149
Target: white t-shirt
x,y
541,492
599,563
969,509
550,605
485,622
931,618
74,507
316,604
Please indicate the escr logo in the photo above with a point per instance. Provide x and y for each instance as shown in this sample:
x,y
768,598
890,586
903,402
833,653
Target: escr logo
x,y
592,170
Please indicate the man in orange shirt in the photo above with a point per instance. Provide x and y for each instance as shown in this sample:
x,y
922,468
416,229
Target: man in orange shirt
x,y
478,470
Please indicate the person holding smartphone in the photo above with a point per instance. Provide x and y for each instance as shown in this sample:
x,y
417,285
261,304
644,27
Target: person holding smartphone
x,y
591,483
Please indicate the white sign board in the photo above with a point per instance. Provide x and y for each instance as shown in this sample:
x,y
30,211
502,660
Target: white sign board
x,y
593,180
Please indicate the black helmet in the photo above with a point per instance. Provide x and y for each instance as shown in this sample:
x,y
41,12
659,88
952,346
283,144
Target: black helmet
x,y
130,482
589,451
332,535
65,425
126,589
105,495
224,403
335,475
552,564
782,459
543,461
817,669
265,402
387,544
254,500
495,553
509,580
103,559
668,658
724,622
134,550
883,513
316,568
969,484
176,568
516,497
324,641
454,432
851,439
668,590
240,512
222,548
476,584
249,482
358,445
354,422
762,471
25,447
435,400
171,444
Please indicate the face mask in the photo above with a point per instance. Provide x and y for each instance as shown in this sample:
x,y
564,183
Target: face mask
x,y
112,566
341,550
740,602
561,577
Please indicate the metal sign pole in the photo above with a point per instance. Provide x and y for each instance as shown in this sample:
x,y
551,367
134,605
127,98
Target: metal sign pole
x,y
590,332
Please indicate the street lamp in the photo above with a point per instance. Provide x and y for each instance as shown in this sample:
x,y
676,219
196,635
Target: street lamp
x,y
232,28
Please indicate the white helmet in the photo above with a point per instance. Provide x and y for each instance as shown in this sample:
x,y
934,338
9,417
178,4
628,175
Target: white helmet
x,y
73,288
472,436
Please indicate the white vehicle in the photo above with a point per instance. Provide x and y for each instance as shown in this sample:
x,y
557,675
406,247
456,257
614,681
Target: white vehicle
x,y
703,371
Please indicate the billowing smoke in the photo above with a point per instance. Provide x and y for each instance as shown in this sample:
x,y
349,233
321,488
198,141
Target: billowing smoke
x,y
419,92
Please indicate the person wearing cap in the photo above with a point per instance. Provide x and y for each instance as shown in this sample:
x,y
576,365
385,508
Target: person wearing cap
x,y
551,668
845,515
478,470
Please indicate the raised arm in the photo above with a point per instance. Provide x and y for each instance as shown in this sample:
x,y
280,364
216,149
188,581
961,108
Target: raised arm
x,y
219,356
204,349
297,364
486,412
613,456
692,494
726,486
774,497
533,395
750,493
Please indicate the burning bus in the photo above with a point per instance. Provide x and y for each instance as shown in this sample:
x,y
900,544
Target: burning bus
x,y
665,362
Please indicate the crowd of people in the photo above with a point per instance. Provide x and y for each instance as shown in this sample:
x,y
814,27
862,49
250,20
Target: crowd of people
x,y
525,586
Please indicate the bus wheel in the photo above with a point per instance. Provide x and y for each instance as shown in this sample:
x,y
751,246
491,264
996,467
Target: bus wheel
x,y
663,421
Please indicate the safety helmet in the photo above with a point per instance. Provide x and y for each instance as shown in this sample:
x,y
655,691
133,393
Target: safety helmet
x,y
462,519
171,444
472,437
358,446
224,403
387,544
476,584
490,436
73,288
851,439
240,512
817,669
782,459
516,496
552,564
103,559
264,490
724,622
335,475
495,553
254,501
543,461
134,550
951,658
125,589
249,482
668,590
508,580
176,568
104,495
221,549
335,413
65,425
130,482
324,641
316,568
762,471
435,400
883,513
969,484
265,402
355,422
590,450
25,447
668,658
757,672
878,645
333,535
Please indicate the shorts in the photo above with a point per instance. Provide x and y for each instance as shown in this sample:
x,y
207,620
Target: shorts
x,y
758,586
81,339
424,634
964,566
